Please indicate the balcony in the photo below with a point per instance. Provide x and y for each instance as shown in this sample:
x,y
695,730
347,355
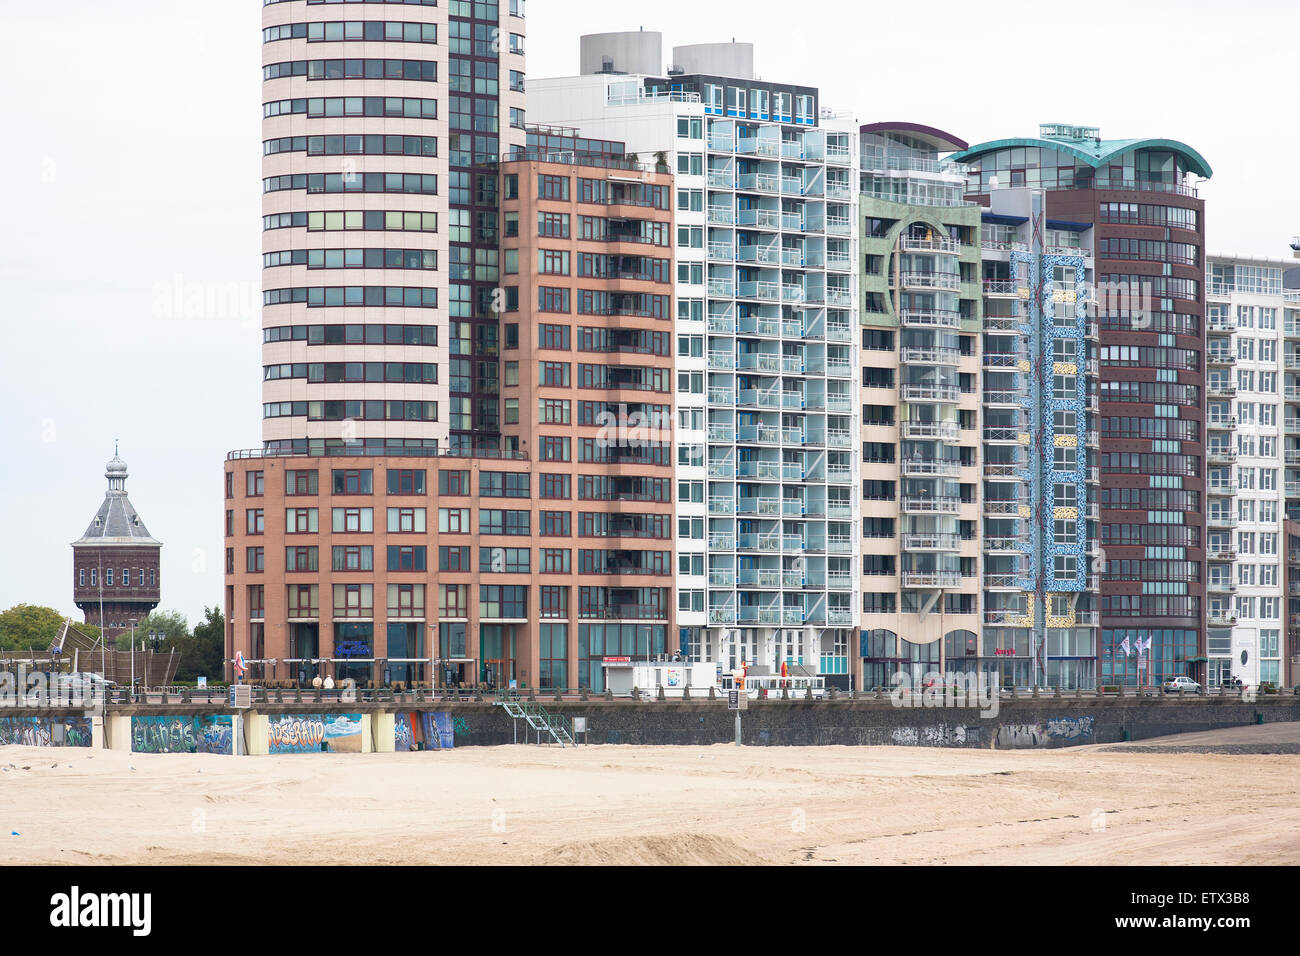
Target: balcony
x,y
935,356
1220,358
1222,424
1002,436
762,291
917,505
941,281
998,507
930,542
1002,288
1006,397
1218,618
1221,455
839,617
944,244
1222,554
930,393
923,431
1220,586
1005,544
1004,360
930,319
1001,582
1220,390
1005,616
931,579
1222,489
1220,520
1003,470
930,468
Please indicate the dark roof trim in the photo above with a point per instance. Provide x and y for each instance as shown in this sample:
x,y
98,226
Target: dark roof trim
x,y
941,138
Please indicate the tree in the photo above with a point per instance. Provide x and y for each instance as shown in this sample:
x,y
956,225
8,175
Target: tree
x,y
29,627
172,624
209,654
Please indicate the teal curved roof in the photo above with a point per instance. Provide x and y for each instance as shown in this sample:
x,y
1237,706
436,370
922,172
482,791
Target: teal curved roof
x,y
1093,153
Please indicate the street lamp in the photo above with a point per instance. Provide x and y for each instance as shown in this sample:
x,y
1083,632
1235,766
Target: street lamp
x,y
133,622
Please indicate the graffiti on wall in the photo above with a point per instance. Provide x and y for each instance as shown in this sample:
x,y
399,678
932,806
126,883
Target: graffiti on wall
x,y
1020,735
208,734
25,732
434,731
162,735
940,735
215,734
1071,728
311,733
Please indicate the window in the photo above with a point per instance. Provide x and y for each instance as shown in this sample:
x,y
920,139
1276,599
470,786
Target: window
x,y
454,483
301,521
453,520
453,559
406,521
553,187
493,521
406,482
352,557
553,374
353,520
556,487
554,225
505,560
302,559
256,521
356,482
256,561
256,484
300,483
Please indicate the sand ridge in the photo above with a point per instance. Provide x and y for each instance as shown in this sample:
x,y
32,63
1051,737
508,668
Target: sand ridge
x,y
651,805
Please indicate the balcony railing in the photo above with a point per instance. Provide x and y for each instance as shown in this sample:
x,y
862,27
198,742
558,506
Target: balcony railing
x,y
931,579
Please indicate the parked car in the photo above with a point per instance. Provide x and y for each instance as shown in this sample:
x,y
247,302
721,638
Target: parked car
x,y
1181,685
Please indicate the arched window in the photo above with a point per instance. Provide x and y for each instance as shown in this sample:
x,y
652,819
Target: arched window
x,y
921,653
880,644
958,645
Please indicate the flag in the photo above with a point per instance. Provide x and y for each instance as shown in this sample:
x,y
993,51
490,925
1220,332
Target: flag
x,y
240,667
1124,646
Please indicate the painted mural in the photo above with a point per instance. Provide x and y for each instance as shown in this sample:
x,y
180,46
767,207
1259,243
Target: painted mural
x,y
312,733
209,734
435,731
215,734
45,731
25,732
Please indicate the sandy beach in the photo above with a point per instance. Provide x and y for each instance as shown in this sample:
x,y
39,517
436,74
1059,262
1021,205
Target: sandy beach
x,y
637,805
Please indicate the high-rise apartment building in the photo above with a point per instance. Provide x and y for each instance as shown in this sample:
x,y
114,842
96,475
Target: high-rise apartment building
x,y
1138,199
979,434
766,384
1253,455
921,308
380,138
466,471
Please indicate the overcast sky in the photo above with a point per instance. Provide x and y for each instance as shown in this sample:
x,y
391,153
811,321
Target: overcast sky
x,y
131,240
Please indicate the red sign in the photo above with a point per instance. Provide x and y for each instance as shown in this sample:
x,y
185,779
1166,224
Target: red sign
x,y
618,660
